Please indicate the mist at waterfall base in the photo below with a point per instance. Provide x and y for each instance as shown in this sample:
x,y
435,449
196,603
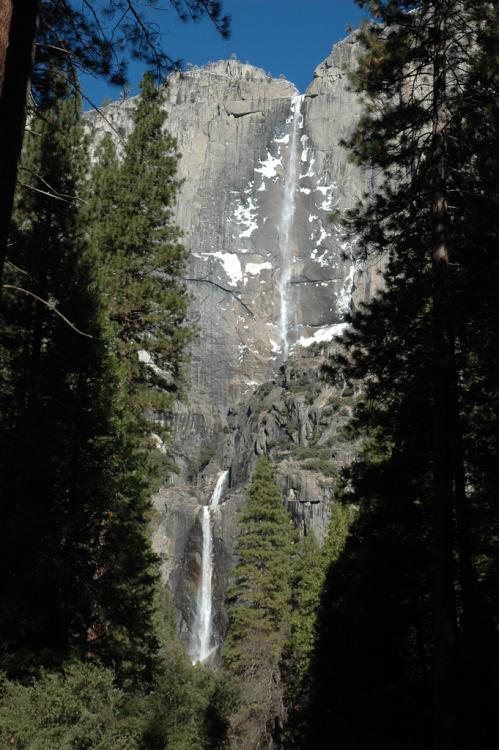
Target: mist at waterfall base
x,y
202,644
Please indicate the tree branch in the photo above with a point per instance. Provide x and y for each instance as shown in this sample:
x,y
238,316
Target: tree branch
x,y
55,193
50,305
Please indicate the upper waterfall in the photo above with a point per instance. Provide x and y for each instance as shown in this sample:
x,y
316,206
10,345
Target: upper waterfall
x,y
286,221
262,169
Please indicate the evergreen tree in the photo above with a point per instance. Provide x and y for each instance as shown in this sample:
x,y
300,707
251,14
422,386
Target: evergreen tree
x,y
141,257
371,667
82,581
420,77
310,565
52,377
259,610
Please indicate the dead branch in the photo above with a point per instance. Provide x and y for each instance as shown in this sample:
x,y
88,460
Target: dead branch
x,y
55,193
50,305
33,189
13,265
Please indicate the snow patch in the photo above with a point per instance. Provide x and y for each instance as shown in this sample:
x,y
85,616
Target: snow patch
x,y
310,171
304,147
246,215
159,444
146,359
284,139
231,265
320,259
323,236
254,268
345,295
328,333
327,193
268,168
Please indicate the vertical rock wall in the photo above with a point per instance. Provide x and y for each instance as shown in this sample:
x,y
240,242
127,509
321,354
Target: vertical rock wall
x,y
239,137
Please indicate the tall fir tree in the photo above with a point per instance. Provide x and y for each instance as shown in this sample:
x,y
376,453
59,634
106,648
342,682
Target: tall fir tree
x,y
310,565
259,610
142,259
82,581
407,347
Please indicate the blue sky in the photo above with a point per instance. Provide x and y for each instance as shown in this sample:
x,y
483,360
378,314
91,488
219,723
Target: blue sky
x,y
288,37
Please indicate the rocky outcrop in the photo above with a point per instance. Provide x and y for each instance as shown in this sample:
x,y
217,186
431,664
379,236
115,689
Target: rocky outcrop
x,y
299,420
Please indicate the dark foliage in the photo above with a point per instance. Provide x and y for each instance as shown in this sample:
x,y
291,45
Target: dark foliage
x,y
379,652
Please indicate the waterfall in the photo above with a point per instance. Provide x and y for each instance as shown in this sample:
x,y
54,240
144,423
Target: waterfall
x,y
286,223
203,634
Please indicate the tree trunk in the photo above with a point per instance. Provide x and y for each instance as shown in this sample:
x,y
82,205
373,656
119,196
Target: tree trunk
x,y
17,44
5,20
444,610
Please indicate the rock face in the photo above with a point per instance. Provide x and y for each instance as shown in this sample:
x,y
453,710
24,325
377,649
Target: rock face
x,y
271,278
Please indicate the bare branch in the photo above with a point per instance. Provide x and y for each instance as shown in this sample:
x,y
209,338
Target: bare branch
x,y
33,189
56,193
54,47
148,38
50,306
16,268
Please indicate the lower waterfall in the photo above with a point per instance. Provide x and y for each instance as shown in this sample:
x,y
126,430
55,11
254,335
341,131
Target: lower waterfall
x,y
202,635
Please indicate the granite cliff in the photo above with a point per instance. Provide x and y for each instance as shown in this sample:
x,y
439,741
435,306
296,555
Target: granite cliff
x,y
271,280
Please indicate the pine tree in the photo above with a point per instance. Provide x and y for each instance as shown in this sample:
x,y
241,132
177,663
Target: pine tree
x,y
370,670
141,257
259,607
82,582
310,565
416,78
51,381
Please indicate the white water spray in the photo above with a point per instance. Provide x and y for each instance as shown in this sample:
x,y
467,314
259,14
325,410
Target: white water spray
x,y
203,630
286,223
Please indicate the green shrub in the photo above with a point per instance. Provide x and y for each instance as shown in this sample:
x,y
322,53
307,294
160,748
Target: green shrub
x,y
303,452
78,709
328,468
206,453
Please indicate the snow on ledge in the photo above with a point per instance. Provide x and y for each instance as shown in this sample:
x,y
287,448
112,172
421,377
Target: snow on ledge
x,y
231,265
254,268
327,333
